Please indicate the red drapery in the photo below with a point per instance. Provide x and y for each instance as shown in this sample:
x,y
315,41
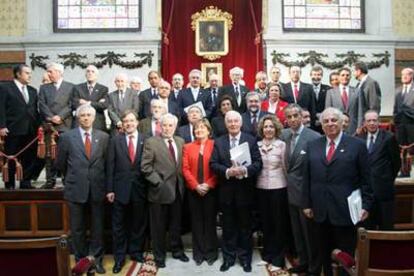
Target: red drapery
x,y
245,43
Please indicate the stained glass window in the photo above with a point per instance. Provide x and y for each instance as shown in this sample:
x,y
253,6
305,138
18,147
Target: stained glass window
x,y
323,15
97,15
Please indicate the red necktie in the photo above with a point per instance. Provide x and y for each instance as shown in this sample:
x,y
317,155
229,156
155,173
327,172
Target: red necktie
x,y
171,149
88,145
344,98
157,128
131,149
296,91
331,151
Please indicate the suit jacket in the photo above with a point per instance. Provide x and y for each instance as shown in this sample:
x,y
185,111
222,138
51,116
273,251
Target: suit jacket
x,y
190,164
145,127
84,178
295,162
162,173
185,133
247,126
326,186
404,107
306,97
185,98
320,101
214,109
234,190
98,99
145,98
60,102
280,110
369,97
229,90
218,126
385,162
19,117
124,178
334,99
116,108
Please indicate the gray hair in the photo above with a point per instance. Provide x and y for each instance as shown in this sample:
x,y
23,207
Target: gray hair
x,y
178,75
94,68
136,79
123,76
162,81
169,117
236,70
332,111
194,72
252,94
195,107
85,108
56,66
233,114
292,106
157,101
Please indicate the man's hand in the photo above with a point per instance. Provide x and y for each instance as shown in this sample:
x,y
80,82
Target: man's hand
x,y
4,131
308,213
364,215
56,120
83,101
110,197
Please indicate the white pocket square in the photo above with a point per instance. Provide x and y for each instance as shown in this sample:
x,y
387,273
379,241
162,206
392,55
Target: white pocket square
x,y
302,152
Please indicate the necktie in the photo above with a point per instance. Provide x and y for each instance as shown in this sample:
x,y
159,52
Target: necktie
x,y
331,151
131,149
358,84
405,91
171,149
25,95
157,128
214,96
237,93
121,96
254,123
296,91
90,89
316,90
344,97
371,144
88,146
293,142
154,94
200,169
233,142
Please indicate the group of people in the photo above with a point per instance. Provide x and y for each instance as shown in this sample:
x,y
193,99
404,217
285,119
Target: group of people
x,y
311,146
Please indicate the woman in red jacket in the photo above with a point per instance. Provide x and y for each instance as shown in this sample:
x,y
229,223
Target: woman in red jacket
x,y
274,104
201,181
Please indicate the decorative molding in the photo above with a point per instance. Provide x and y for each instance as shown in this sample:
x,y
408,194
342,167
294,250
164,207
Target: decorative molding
x,y
109,58
313,58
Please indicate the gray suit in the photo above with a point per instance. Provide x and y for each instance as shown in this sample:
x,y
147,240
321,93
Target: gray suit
x,y
334,99
116,107
84,188
302,228
404,116
165,194
369,97
60,102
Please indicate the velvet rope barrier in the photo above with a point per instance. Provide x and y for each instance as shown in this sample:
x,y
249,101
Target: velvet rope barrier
x,y
165,39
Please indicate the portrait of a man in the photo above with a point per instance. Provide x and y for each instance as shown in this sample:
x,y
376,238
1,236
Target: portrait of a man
x,y
211,36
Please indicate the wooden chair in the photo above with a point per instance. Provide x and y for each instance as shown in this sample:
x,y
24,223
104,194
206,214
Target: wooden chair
x,y
48,256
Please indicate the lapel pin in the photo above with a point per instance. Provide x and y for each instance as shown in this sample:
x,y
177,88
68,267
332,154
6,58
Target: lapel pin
x,y
342,150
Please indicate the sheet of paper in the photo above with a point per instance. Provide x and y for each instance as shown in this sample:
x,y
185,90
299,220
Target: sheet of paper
x,y
240,155
198,104
355,205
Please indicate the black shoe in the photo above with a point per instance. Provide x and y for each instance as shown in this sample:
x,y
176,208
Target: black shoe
x,y
211,261
160,264
298,269
138,258
198,262
181,256
100,269
247,267
48,186
118,267
225,266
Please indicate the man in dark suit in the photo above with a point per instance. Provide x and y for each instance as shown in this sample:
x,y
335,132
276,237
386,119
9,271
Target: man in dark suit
x,y
297,137
345,98
55,107
236,192
121,100
253,114
384,161
177,83
19,120
299,92
404,108
151,126
186,131
369,92
335,166
82,158
164,90
213,88
161,165
194,94
126,189
135,85
275,75
261,85
235,90
147,95
93,93
319,90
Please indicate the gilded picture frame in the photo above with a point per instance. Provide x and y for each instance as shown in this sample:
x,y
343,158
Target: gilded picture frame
x,y
211,68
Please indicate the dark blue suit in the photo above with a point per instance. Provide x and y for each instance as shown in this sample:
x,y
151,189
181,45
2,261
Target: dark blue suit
x,y
247,122
236,198
326,188
129,185
185,98
185,133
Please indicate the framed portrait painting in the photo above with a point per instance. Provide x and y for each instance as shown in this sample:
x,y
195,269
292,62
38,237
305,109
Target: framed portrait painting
x,y
207,69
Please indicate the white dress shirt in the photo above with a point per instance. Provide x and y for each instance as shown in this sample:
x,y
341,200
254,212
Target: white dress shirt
x,y
337,140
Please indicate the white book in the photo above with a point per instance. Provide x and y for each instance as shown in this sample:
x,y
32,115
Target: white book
x,y
355,206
